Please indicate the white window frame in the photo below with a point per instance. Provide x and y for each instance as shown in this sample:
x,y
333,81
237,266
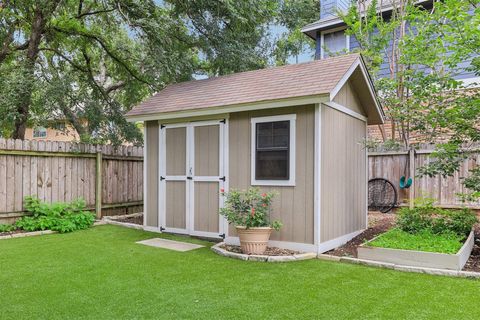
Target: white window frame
x,y
38,129
291,181
322,41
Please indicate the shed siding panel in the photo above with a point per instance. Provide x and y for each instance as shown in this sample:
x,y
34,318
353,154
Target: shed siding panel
x,y
347,97
293,205
343,174
152,174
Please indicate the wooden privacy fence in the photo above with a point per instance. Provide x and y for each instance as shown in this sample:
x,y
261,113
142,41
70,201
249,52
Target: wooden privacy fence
x,y
392,165
109,179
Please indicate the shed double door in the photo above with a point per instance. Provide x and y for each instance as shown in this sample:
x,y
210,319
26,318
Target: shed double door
x,y
192,158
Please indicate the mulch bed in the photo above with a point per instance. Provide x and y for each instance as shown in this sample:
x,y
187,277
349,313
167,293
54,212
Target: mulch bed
x,y
271,251
134,220
12,232
473,263
379,223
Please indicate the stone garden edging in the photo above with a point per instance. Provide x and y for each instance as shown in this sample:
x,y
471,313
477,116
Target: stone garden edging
x,y
296,257
26,234
385,265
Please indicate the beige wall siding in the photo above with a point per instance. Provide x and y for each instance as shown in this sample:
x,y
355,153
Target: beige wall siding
x,y
347,97
343,174
152,173
293,205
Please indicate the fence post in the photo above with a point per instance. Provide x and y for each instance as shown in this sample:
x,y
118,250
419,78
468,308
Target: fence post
x,y
411,191
98,185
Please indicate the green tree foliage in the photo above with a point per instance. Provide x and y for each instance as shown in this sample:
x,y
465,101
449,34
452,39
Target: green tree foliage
x,y
90,61
292,16
424,49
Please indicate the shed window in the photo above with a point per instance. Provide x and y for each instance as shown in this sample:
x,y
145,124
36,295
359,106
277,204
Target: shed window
x,y
272,150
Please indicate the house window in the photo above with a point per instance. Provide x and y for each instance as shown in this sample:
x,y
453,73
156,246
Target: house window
x,y
334,43
40,132
273,150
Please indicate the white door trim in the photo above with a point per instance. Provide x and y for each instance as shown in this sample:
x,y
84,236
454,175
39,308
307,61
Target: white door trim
x,y
190,177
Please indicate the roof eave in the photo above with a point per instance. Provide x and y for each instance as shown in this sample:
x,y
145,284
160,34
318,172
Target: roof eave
x,y
189,113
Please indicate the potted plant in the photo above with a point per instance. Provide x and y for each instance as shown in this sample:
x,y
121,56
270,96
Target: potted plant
x,y
249,211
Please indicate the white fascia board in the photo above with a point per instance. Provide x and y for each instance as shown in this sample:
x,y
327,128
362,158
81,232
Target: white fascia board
x,y
348,74
288,102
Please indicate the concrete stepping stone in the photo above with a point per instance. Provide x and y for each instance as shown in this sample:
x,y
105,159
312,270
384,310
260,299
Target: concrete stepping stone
x,y
170,244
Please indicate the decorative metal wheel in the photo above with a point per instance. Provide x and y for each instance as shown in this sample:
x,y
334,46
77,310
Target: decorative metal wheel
x,y
382,195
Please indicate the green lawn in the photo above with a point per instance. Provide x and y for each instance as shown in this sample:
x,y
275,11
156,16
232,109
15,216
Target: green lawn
x,y
101,273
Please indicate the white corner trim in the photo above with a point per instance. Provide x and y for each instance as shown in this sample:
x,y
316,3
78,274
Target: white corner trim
x,y
337,242
297,246
145,203
317,168
345,110
292,154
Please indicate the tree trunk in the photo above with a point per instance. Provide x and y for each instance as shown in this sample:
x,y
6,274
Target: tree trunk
x,y
23,107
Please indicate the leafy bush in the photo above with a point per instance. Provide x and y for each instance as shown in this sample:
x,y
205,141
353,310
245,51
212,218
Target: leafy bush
x,y
59,216
425,216
249,208
7,228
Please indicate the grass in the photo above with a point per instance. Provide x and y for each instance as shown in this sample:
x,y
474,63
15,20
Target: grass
x,y
101,273
421,241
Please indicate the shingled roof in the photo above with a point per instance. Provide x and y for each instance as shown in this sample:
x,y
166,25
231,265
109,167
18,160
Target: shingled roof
x,y
276,83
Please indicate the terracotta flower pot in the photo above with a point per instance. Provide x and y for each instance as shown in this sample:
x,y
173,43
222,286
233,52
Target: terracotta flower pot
x,y
254,240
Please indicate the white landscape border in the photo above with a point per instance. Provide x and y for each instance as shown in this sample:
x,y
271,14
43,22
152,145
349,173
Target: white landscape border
x,y
416,258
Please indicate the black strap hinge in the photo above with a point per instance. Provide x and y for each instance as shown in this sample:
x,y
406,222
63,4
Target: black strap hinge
x,y
223,121
162,228
162,126
222,236
189,178
162,178
222,178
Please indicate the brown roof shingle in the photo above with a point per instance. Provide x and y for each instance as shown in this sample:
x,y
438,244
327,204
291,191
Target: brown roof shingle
x,y
296,80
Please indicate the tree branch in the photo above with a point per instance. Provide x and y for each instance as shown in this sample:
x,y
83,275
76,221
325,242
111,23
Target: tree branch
x,y
91,13
109,52
70,61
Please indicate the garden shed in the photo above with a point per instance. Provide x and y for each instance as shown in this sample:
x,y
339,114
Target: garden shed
x,y
297,129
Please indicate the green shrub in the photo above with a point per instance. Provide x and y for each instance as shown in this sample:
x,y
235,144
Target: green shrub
x,y
249,208
59,216
6,228
425,216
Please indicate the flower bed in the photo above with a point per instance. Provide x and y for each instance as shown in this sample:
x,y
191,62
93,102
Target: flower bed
x,y
417,258
425,236
270,255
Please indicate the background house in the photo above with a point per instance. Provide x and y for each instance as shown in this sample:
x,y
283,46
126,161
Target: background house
x,y
331,39
53,131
